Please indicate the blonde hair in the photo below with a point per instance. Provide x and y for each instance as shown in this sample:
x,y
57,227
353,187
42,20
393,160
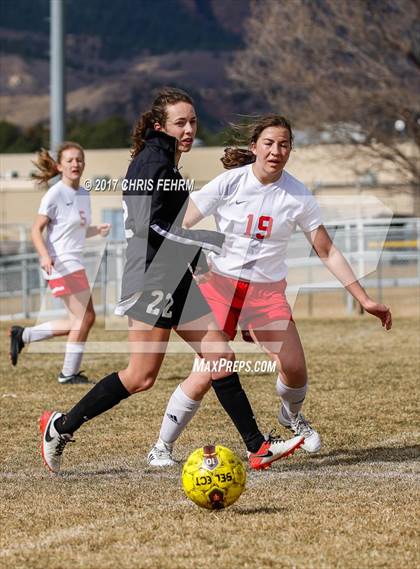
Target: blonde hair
x,y
47,166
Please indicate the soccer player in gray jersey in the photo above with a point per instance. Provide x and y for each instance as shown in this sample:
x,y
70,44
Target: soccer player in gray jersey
x,y
159,292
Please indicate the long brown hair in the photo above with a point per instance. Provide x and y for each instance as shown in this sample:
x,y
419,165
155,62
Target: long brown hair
x,y
234,156
157,114
46,164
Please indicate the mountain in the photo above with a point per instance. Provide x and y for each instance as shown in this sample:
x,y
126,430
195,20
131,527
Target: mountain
x,y
127,27
118,55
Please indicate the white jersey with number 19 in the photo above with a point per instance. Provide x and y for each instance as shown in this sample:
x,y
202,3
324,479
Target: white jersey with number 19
x,y
258,221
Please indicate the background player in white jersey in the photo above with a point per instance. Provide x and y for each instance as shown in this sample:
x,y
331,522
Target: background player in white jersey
x,y
65,213
159,292
257,205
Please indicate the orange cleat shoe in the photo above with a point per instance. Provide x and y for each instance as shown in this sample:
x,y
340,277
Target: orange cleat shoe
x,y
53,443
273,449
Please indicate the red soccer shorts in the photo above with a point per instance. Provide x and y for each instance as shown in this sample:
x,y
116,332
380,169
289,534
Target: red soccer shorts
x,y
69,284
251,305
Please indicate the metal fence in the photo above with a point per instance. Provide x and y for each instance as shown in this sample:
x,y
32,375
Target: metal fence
x,y
382,254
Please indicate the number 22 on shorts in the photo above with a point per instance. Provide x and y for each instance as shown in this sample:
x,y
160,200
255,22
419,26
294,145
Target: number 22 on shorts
x,y
265,225
152,307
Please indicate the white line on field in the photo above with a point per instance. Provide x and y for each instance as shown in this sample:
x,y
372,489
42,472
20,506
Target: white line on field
x,y
323,473
378,470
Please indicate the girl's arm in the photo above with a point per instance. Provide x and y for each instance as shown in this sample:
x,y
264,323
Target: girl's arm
x,y
41,221
335,262
102,230
192,216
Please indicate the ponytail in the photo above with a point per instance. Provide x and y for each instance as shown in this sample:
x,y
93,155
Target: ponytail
x,y
235,157
47,166
145,122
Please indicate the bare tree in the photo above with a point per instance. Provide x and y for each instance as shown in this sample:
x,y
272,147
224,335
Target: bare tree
x,y
352,66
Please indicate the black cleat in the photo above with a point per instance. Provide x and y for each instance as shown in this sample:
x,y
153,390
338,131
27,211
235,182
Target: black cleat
x,y
16,343
76,378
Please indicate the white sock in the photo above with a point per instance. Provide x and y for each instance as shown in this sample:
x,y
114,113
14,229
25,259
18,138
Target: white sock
x,y
37,333
73,358
179,412
292,397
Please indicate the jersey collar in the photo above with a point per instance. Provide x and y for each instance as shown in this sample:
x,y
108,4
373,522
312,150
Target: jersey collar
x,y
269,185
162,141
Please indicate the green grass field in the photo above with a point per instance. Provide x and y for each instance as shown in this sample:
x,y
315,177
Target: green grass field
x,y
354,505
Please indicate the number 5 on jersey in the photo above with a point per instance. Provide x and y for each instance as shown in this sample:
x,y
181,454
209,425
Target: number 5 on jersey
x,y
264,226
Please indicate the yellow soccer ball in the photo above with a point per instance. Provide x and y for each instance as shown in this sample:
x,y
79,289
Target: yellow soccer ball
x,y
213,477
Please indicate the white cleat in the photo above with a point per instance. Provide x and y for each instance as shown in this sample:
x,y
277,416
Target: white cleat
x,y
301,426
161,455
53,443
272,449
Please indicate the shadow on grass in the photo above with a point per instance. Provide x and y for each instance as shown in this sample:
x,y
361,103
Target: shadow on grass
x,y
100,472
337,457
340,457
263,510
125,472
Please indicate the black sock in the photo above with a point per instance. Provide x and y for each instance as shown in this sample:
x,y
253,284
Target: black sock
x,y
105,395
234,401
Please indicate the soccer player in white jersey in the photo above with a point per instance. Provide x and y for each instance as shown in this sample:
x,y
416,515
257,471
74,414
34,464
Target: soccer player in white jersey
x,y
65,213
257,205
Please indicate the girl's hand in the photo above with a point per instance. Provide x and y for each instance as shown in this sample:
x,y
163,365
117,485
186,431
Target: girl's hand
x,y
201,278
380,311
47,264
203,275
103,229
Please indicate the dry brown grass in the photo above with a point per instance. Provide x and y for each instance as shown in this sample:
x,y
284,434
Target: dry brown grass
x,y
351,506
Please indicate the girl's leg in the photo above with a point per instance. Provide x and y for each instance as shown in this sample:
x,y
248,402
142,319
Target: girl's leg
x,y
139,375
183,404
186,399
20,336
82,318
46,330
284,346
147,351
180,410
81,315
212,346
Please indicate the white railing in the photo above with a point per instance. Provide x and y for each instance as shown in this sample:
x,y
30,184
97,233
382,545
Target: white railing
x,y
382,256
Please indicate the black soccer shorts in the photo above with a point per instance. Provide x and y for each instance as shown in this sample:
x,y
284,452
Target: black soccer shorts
x,y
166,308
